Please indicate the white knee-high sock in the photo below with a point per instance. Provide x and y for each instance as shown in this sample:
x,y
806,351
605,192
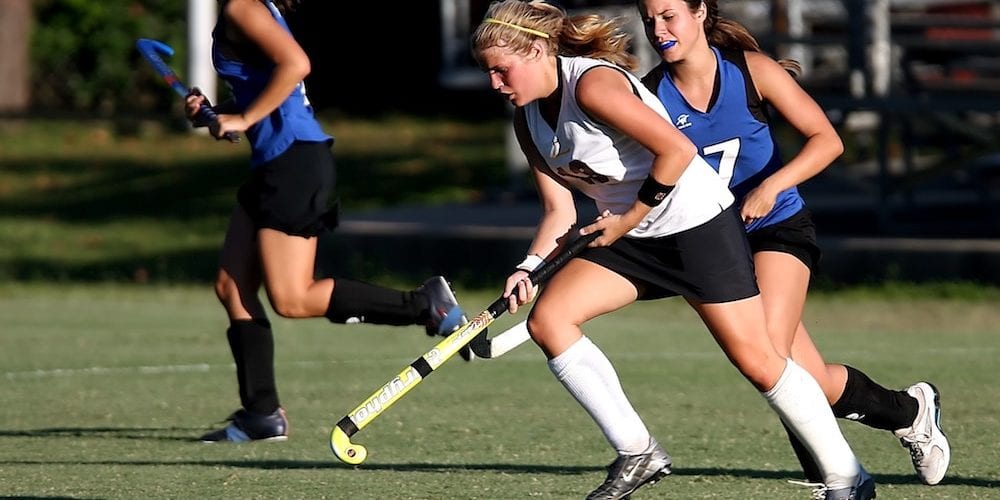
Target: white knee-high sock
x,y
589,376
800,403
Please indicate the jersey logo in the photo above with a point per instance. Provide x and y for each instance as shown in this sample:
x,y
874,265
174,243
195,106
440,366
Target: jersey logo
x,y
580,170
682,121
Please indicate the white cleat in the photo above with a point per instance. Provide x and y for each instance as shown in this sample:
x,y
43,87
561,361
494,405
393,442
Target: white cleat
x,y
929,448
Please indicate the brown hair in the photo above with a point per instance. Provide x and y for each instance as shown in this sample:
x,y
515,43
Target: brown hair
x,y
286,5
728,34
516,24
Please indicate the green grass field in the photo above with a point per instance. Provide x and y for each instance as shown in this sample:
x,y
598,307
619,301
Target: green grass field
x,y
106,384
105,388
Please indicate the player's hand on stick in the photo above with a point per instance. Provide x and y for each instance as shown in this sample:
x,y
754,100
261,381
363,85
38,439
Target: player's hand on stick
x,y
201,113
519,290
227,125
193,105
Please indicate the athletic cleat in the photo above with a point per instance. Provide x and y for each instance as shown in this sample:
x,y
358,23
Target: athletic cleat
x,y
864,489
929,448
629,472
245,426
444,315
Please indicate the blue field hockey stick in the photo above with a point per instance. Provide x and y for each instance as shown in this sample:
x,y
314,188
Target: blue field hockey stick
x,y
151,50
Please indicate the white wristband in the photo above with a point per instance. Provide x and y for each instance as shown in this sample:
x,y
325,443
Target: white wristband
x,y
530,263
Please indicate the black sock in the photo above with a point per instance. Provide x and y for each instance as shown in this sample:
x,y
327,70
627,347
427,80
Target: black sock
x,y
806,460
354,301
873,405
252,345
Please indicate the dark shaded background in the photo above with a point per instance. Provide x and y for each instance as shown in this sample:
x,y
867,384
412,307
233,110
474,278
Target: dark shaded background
x,y
378,58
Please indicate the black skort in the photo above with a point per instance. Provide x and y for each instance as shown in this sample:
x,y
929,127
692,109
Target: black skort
x,y
795,236
292,193
710,263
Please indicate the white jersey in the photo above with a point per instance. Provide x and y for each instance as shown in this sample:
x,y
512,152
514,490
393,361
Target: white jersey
x,y
609,166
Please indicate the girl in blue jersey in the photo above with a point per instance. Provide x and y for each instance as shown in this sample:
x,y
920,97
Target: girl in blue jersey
x,y
282,209
717,85
669,227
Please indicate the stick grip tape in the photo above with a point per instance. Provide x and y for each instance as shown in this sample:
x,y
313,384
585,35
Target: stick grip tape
x,y
543,273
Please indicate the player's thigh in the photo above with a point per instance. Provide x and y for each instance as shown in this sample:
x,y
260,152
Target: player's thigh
x,y
783,281
238,278
238,261
289,265
740,330
580,291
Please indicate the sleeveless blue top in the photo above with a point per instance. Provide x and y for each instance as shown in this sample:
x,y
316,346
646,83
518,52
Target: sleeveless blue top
x,y
292,121
733,135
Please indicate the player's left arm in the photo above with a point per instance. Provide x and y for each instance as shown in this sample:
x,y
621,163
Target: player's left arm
x,y
822,143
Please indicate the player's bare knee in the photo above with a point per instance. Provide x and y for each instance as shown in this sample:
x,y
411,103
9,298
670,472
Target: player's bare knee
x,y
757,367
226,290
543,323
289,306
540,323
534,327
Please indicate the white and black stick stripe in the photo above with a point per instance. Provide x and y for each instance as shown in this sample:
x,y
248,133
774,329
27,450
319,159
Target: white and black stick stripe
x,y
419,369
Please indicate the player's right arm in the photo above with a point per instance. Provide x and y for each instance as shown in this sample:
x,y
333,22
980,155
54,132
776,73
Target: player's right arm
x,y
558,214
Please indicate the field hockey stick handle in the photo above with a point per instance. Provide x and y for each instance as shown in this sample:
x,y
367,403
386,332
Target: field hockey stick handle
x,y
208,115
543,273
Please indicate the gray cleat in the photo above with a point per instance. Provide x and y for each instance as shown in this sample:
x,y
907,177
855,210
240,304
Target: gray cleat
x,y
629,472
444,314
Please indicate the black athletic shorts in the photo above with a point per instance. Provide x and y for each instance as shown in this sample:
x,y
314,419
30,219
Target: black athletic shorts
x,y
292,193
710,263
795,236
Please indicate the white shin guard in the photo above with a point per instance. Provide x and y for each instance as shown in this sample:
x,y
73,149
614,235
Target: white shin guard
x,y
800,403
588,375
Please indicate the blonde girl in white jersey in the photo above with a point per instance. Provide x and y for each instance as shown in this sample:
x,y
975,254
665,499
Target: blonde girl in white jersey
x,y
668,228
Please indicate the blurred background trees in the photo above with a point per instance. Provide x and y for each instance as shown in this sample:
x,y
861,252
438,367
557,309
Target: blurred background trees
x,y
82,55
15,25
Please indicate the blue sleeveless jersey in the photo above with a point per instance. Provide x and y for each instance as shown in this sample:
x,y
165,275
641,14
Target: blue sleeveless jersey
x,y
733,135
290,122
